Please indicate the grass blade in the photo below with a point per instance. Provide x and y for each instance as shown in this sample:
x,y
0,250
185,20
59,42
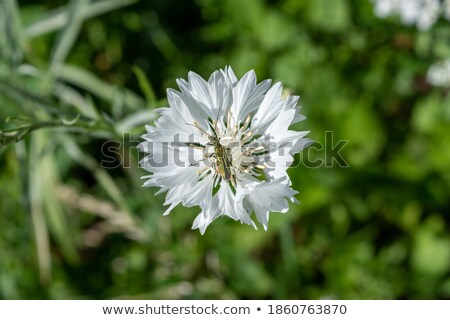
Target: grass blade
x,y
101,89
37,213
145,86
49,211
58,18
135,121
74,98
12,43
66,38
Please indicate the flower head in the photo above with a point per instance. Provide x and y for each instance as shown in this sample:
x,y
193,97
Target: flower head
x,y
225,145
439,74
422,13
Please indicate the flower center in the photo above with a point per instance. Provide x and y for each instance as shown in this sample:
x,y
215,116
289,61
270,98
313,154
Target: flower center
x,y
230,152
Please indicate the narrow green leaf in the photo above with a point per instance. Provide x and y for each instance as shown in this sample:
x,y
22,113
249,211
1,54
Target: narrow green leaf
x,y
66,38
12,39
35,192
62,91
58,18
54,214
70,122
137,119
145,85
73,98
164,43
101,89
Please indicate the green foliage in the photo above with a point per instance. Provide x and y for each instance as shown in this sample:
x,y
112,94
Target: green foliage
x,y
76,77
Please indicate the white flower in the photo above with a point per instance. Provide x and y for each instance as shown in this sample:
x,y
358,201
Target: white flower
x,y
225,145
439,74
385,8
422,13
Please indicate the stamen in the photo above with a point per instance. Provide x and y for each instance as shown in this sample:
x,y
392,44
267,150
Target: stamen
x,y
195,124
235,130
247,136
217,154
246,123
257,149
200,172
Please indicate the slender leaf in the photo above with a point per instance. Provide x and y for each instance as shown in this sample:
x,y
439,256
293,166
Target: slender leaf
x,y
101,89
137,119
74,98
145,86
11,41
54,211
35,192
58,18
66,38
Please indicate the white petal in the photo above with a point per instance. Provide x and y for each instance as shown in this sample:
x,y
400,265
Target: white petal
x,y
241,92
173,205
269,109
201,222
231,207
230,75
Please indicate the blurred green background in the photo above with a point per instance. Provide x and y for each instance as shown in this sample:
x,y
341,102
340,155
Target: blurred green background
x,y
75,75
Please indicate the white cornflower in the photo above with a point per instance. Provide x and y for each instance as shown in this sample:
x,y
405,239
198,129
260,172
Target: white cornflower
x,y
439,74
225,145
422,13
385,8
